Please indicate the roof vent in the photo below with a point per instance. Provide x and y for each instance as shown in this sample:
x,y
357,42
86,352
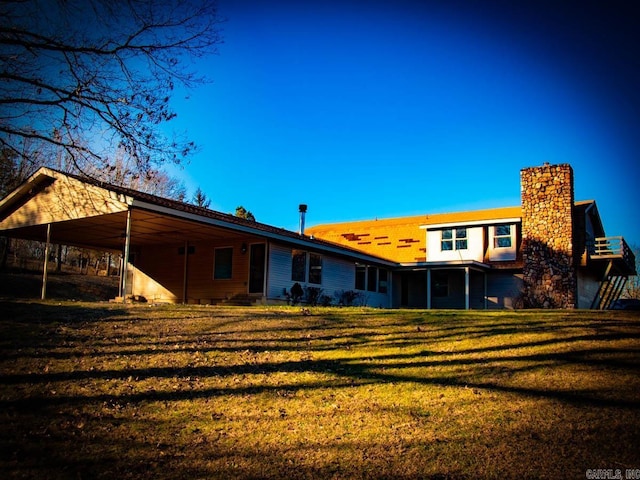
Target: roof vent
x,y
302,209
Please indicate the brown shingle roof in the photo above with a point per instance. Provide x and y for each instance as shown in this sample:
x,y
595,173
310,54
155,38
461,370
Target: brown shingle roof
x,y
401,239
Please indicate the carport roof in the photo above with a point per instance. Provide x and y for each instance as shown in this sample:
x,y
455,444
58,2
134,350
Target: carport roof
x,y
93,214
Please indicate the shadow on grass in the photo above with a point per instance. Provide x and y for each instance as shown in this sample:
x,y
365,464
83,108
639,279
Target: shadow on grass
x,y
346,372
408,332
431,350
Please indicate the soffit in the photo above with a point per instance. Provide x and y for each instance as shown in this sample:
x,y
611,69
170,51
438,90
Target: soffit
x,y
108,231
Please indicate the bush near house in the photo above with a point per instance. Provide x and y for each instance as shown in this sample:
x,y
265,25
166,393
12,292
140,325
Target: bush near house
x,y
136,392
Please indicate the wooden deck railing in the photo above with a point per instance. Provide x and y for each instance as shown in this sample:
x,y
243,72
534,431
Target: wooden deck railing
x,y
612,247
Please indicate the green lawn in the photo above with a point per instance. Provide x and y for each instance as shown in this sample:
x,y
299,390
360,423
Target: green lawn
x,y
152,392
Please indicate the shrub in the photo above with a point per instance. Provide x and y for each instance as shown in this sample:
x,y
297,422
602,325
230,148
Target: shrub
x,y
325,300
348,298
312,295
295,295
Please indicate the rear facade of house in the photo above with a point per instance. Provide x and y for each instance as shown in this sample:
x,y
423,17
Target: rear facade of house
x,y
549,252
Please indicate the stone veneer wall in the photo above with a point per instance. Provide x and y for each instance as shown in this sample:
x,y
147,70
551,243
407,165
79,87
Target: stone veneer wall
x,y
549,273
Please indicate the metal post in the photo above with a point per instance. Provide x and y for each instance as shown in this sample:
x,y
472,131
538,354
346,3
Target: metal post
x,y
125,260
486,299
428,289
46,259
390,287
466,288
265,285
185,271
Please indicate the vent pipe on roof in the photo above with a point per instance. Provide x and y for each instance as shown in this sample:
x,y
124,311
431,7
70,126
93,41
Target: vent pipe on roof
x,y
303,209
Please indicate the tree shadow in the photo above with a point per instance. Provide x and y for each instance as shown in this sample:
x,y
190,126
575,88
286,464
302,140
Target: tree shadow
x,y
425,350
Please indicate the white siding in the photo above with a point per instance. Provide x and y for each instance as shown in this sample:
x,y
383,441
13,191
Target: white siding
x,y
337,275
502,253
474,251
279,271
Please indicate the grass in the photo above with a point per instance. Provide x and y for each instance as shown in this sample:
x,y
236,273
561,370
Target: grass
x,y
107,391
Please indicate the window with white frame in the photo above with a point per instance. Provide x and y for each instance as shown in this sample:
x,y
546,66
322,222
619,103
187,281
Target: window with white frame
x,y
447,239
299,262
502,236
454,239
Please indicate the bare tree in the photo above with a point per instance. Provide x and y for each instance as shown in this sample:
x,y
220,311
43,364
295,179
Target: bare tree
x,y
88,77
632,288
123,172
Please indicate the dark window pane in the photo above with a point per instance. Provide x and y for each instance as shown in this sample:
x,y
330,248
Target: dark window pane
x,y
315,268
461,244
503,230
447,245
298,265
360,277
447,234
372,279
222,267
439,285
382,281
503,242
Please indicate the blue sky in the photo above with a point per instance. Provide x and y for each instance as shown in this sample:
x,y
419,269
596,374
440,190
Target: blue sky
x,y
380,109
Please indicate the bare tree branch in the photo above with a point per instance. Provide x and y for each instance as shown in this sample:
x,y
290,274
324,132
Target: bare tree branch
x,y
95,77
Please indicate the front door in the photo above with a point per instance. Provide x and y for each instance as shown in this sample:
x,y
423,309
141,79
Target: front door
x,y
256,268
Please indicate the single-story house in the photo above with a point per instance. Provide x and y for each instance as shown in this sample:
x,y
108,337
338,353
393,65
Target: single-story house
x,y
549,252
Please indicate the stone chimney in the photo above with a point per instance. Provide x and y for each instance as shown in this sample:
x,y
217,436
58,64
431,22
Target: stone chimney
x,y
549,272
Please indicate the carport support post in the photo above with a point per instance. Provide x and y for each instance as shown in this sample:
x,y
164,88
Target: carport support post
x,y
185,272
125,260
428,289
486,299
466,288
46,259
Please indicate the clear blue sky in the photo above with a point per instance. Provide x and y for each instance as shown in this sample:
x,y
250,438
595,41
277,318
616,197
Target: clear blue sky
x,y
393,108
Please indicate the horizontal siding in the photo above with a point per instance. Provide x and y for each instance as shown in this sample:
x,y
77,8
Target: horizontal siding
x,y
503,289
165,266
474,251
279,275
337,275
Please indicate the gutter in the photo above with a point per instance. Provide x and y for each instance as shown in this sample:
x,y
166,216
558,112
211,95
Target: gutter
x,y
284,238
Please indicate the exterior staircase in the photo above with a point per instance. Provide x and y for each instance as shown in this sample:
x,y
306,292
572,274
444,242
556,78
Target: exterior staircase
x,y
610,289
620,264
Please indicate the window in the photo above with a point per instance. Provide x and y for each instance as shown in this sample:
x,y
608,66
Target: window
x,y
372,279
361,277
461,238
447,239
315,268
299,261
382,281
222,262
439,285
502,236
298,265
447,243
